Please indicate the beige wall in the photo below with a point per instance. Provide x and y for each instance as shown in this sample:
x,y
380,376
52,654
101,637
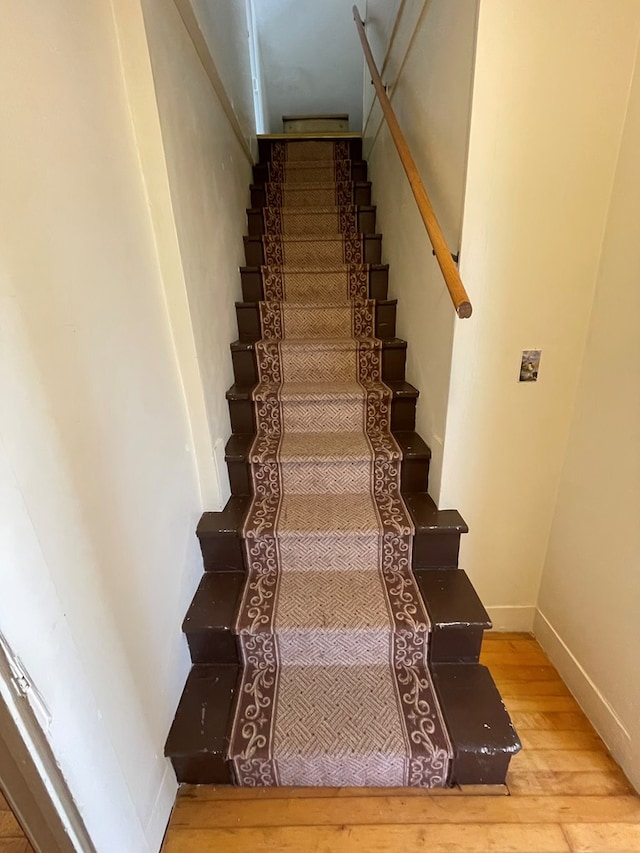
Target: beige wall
x,y
224,25
101,460
551,88
429,72
208,176
590,593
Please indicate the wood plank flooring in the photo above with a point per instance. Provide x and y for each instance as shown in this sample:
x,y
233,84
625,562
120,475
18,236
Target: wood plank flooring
x,y
567,795
12,838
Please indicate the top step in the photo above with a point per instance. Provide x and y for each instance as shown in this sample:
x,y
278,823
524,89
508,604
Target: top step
x,y
335,122
266,144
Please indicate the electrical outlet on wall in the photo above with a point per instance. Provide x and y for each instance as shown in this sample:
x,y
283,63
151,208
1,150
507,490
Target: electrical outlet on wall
x,y
530,365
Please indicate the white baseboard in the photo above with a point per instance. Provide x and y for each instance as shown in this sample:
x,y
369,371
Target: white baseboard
x,y
600,713
162,808
516,618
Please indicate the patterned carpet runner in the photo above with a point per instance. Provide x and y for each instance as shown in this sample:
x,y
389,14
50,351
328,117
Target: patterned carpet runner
x,y
335,689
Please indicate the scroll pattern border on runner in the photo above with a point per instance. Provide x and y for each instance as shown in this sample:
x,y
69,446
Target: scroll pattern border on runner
x,y
274,547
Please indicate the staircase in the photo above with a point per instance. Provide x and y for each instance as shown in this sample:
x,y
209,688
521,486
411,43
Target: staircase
x,y
334,639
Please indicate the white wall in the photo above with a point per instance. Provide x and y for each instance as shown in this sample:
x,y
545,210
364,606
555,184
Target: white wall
x,y
590,593
99,488
209,176
429,73
311,59
550,95
224,25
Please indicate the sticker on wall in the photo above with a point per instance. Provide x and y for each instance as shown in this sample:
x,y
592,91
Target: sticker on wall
x,y
530,365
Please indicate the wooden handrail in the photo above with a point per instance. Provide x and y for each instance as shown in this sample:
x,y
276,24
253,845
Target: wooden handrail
x,y
450,273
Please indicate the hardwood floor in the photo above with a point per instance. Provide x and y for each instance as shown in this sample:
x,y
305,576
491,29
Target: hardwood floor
x,y
12,838
566,792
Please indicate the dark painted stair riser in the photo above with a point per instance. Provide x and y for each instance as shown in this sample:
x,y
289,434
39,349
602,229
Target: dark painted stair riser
x,y
254,250
199,738
358,172
366,221
250,329
435,546
209,620
265,145
482,734
361,194
414,467
245,368
458,619
252,289
403,407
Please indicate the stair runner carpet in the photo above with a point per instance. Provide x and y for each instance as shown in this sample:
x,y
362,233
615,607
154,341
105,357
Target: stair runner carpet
x,y
335,689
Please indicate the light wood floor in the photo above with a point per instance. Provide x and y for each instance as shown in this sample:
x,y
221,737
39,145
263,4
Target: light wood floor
x,y
566,792
12,839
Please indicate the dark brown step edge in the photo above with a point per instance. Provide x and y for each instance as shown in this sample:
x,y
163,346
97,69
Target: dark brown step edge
x,y
458,618
366,220
361,194
250,329
355,145
483,737
252,288
254,250
245,366
414,469
208,625
199,736
436,544
403,407
358,172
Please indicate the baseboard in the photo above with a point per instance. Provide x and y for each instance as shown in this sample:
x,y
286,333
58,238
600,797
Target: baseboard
x,y
512,618
600,713
162,808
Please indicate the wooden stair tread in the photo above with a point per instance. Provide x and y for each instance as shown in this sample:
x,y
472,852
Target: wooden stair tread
x,y
399,388
257,269
411,445
201,723
229,520
369,208
427,516
451,599
215,602
307,238
479,725
355,183
249,346
245,304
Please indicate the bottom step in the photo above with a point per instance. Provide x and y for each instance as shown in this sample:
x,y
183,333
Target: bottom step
x,y
481,732
199,738
483,737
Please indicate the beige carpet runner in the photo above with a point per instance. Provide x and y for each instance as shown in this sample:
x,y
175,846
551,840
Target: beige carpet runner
x,y
335,689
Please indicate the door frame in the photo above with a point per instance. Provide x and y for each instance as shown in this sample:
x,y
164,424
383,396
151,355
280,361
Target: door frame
x,y
39,798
